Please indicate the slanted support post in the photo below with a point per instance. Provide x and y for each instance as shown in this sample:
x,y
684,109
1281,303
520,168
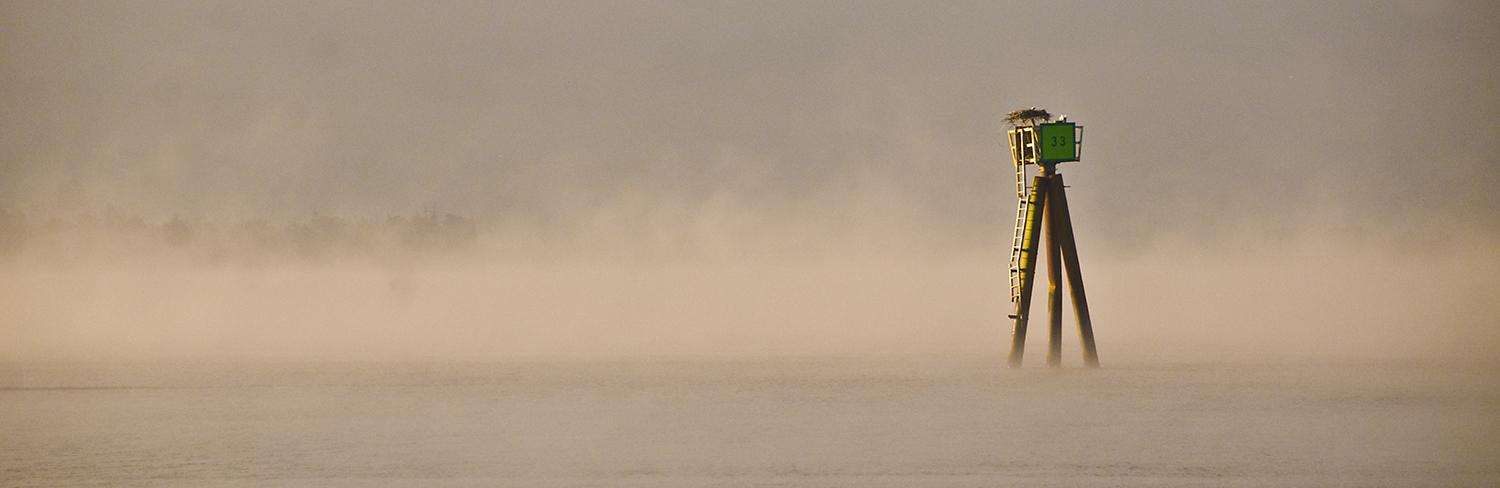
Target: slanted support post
x,y
1064,221
1035,208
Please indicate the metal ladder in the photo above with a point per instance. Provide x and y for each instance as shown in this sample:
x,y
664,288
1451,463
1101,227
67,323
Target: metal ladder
x,y
1022,152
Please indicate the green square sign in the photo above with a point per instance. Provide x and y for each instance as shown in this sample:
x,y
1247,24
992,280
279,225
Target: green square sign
x,y
1058,141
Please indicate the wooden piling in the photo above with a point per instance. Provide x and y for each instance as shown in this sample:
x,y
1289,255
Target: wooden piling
x,y
1064,228
1036,206
1054,284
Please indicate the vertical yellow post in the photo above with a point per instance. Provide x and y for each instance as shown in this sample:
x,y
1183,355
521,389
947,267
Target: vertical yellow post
x,y
1036,206
1054,280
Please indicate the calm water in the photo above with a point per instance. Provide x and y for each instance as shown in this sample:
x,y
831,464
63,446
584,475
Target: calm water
x,y
834,422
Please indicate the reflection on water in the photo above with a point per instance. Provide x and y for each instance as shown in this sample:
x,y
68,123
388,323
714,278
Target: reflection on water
x,y
775,422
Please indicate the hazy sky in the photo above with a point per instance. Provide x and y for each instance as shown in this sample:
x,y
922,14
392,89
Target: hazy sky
x,y
1257,176
1199,116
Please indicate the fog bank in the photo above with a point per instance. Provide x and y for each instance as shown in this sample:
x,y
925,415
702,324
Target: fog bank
x,y
497,180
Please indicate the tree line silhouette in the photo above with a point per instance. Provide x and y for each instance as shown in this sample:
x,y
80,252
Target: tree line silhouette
x,y
111,235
